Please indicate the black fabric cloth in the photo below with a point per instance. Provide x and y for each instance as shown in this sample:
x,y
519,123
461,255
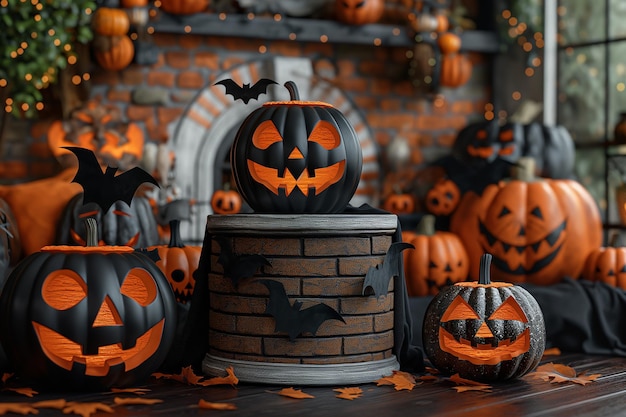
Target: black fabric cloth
x,y
580,316
194,339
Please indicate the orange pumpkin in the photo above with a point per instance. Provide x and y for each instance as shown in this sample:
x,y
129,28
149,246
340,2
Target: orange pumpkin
x,y
443,198
608,265
100,129
449,43
184,6
456,70
109,21
538,230
438,260
133,3
226,201
398,203
359,12
114,53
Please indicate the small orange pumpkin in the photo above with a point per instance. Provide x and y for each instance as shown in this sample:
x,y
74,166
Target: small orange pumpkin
x,y
359,12
114,53
443,198
109,21
438,260
184,6
133,3
608,265
456,70
226,201
449,43
399,203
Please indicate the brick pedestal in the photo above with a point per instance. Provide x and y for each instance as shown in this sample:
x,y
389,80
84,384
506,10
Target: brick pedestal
x,y
318,259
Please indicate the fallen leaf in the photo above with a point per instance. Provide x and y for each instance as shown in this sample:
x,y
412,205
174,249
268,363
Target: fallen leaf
x,y
456,378
399,379
29,392
6,376
58,404
17,408
135,400
86,409
230,379
138,391
208,405
428,378
482,388
432,371
559,373
552,352
348,393
186,376
294,393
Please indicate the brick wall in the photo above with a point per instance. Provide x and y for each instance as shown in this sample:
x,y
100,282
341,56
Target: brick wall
x,y
375,78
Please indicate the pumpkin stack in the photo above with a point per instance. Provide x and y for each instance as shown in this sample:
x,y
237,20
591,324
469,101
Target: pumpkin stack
x,y
87,317
113,48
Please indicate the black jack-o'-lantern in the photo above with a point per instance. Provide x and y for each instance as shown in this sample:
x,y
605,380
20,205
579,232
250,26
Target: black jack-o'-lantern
x,y
87,317
133,225
484,330
482,142
296,157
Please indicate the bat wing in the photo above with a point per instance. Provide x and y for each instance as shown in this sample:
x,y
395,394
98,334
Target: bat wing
x,y
152,254
260,87
377,277
289,318
125,184
237,267
245,93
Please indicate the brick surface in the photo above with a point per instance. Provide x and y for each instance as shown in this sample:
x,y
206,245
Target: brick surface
x,y
383,322
347,246
344,286
268,246
222,322
302,346
299,267
190,79
380,244
352,325
358,265
366,305
161,78
237,304
255,326
235,343
368,343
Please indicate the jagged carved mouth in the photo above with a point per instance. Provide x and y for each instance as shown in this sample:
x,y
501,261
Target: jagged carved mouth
x,y
552,240
484,353
64,352
321,180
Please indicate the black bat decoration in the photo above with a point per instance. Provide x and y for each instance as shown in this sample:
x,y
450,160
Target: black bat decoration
x,y
235,266
289,318
245,93
378,277
105,188
152,254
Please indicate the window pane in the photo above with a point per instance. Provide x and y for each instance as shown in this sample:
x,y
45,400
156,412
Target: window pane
x,y
581,93
581,20
617,25
617,82
590,172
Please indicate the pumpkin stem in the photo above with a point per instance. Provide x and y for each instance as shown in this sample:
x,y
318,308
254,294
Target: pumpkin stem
x,y
175,239
294,95
484,273
525,169
92,232
426,226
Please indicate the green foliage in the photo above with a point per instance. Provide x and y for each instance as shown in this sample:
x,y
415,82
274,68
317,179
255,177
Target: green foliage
x,y
36,40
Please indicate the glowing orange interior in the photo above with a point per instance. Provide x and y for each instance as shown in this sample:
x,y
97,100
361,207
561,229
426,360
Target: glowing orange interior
x,y
324,178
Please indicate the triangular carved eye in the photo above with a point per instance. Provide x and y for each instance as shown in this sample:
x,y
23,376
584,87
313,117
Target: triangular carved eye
x,y
459,310
537,213
326,135
504,212
509,310
265,135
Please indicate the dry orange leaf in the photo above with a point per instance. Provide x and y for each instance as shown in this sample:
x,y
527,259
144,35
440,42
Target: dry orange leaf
x,y
17,408
456,378
294,393
138,391
230,379
208,405
186,376
428,378
555,351
432,371
399,379
6,376
482,388
558,373
86,409
58,404
29,392
135,400
348,393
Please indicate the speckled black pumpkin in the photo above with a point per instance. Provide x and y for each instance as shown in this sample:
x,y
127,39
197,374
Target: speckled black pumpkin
x,y
484,331
296,157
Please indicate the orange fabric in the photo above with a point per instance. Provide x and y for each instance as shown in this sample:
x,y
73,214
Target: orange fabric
x,y
38,206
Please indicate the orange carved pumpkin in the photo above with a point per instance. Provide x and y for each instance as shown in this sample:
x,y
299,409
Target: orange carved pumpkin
x,y
438,260
538,230
184,6
109,21
226,201
608,265
399,203
484,330
443,198
359,12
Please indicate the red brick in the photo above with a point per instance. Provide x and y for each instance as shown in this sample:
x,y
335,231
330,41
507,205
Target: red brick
x,y
380,244
285,49
139,112
462,107
298,267
337,247
369,305
235,343
317,49
344,286
325,360
266,359
222,322
253,287
302,346
190,41
43,169
383,322
391,105
366,102
268,246
133,76
256,326
446,139
161,78
369,343
358,265
208,60
164,39
190,79
166,115
352,325
179,60
235,304
119,95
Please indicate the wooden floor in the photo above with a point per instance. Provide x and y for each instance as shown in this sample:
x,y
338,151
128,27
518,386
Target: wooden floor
x,y
525,397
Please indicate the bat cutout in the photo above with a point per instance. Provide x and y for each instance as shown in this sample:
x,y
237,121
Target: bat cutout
x,y
237,267
105,188
377,277
245,93
289,318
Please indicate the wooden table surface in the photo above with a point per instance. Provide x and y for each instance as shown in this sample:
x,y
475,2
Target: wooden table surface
x,y
523,397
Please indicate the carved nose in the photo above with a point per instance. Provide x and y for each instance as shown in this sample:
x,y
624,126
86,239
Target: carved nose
x,y
107,314
484,331
295,154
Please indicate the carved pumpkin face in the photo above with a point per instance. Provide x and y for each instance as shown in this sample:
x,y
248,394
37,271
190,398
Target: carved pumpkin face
x,y
608,265
531,228
125,225
399,204
484,330
483,142
443,198
226,202
296,156
88,317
